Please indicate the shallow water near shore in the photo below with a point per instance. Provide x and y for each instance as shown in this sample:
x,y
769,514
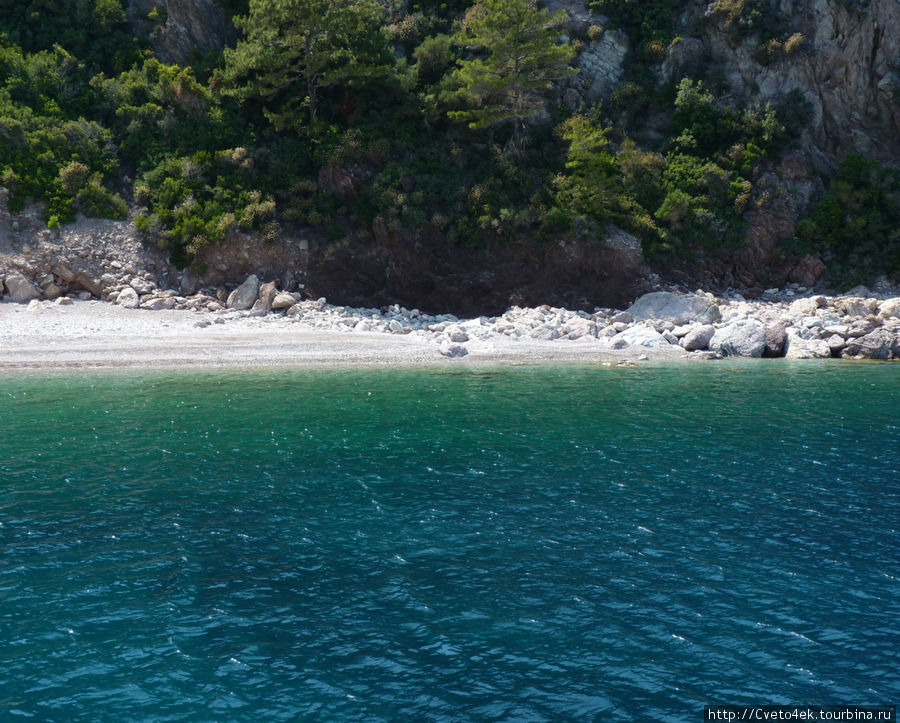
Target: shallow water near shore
x,y
516,543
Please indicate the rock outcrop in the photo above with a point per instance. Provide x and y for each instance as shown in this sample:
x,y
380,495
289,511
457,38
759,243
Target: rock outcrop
x,y
181,27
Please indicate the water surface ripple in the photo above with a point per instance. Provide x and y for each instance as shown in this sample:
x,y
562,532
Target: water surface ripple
x,y
569,543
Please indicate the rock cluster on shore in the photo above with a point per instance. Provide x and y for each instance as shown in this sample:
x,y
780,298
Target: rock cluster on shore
x,y
781,324
793,322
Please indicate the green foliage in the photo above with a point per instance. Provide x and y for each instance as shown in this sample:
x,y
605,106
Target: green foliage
x,y
158,109
699,124
794,112
586,192
96,201
45,155
856,226
371,90
95,31
191,202
293,49
645,21
519,58
741,17
433,57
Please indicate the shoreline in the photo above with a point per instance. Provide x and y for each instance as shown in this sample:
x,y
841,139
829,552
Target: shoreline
x,y
98,335
659,327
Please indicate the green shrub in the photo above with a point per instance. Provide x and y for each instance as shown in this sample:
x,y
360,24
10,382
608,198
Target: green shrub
x,y
856,226
73,176
197,200
95,201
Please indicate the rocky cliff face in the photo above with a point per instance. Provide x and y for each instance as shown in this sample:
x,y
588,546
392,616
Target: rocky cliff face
x,y
847,66
845,59
181,26
843,56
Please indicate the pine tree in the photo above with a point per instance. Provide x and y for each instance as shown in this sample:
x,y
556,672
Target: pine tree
x,y
292,49
518,57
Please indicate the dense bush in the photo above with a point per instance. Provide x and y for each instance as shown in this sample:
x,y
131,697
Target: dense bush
x,y
42,136
95,31
191,202
856,226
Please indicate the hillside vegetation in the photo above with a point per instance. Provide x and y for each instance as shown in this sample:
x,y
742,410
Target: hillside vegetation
x,y
342,115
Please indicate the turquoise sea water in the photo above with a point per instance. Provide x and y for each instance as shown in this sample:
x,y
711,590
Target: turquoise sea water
x,y
534,543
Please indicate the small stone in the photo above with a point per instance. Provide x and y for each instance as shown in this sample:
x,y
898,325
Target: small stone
x,y
457,335
128,298
141,286
623,317
453,351
284,300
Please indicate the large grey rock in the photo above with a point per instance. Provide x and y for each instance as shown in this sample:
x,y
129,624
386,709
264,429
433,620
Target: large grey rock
x,y
245,295
806,306
855,306
457,335
20,289
158,303
836,343
746,337
52,291
876,344
677,308
639,336
776,336
797,347
601,65
142,286
698,337
622,317
890,308
128,298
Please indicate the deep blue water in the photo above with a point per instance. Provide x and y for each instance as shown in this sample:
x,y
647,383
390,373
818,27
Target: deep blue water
x,y
526,543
